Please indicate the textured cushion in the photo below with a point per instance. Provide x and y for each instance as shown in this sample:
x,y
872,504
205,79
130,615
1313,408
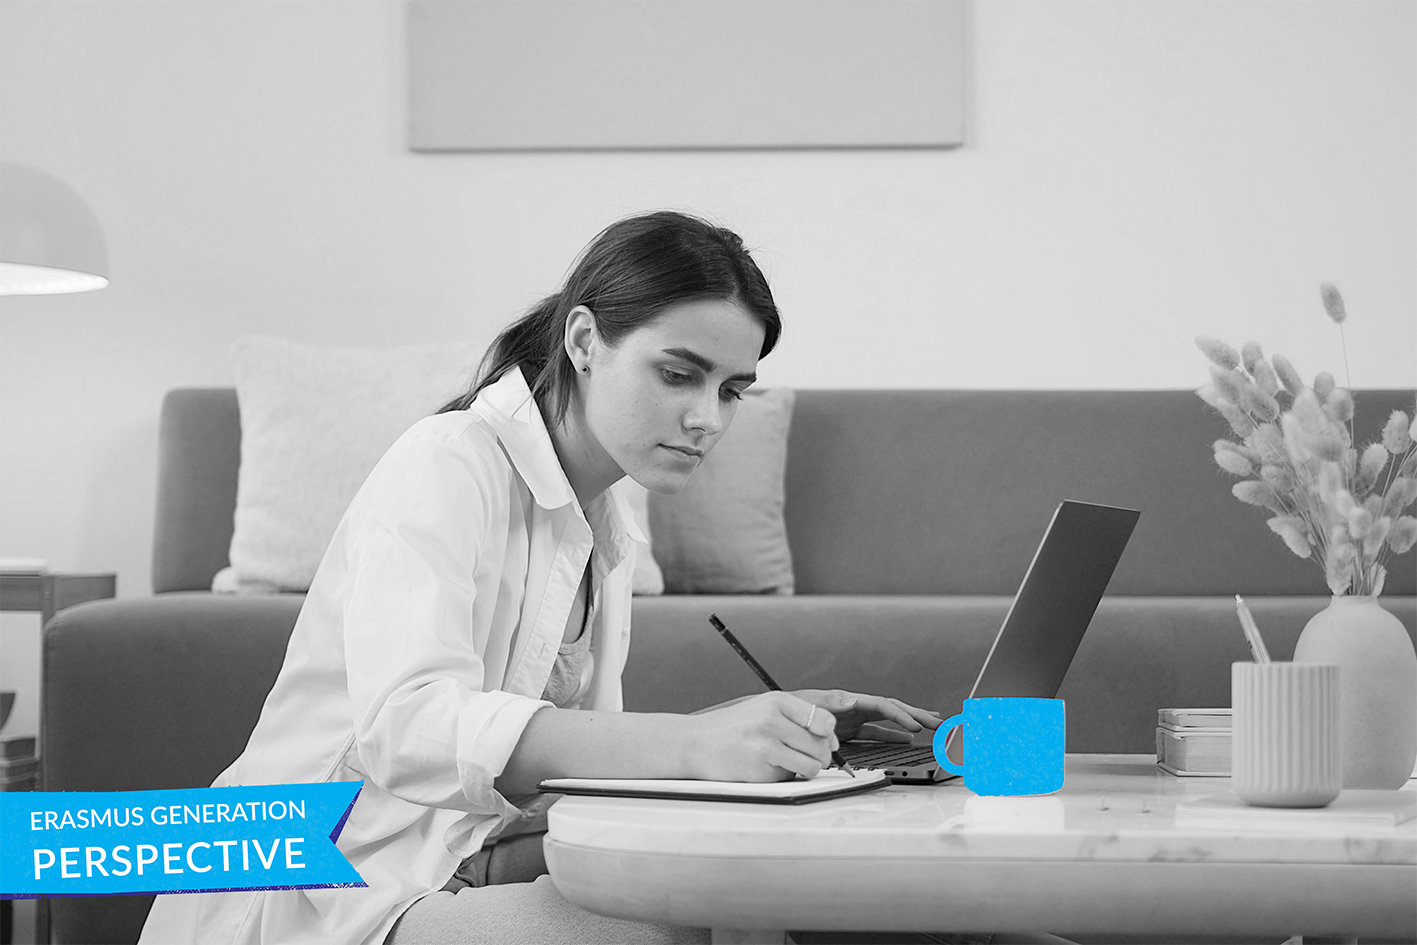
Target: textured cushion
x,y
314,421
647,578
724,533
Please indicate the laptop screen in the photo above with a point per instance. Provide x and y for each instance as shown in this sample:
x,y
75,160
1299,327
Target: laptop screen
x,y
1054,605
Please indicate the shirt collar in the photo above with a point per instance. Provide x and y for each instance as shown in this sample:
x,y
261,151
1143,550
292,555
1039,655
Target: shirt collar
x,y
508,406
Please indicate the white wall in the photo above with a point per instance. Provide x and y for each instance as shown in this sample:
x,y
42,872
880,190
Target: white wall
x,y
1135,173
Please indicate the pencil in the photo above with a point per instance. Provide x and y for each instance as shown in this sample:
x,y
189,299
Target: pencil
x,y
762,674
1252,631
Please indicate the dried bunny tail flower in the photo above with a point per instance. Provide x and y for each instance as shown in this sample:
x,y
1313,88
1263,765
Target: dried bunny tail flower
x,y
1403,535
1259,403
1339,405
1308,410
1323,384
1399,495
1278,479
1328,449
1291,529
1258,493
1265,377
1240,421
1306,446
1344,502
1229,381
1397,433
1333,302
1296,441
1338,564
1370,467
1218,351
1268,442
1251,355
1330,483
1359,521
1412,430
1212,396
1245,451
1377,534
1232,462
1287,375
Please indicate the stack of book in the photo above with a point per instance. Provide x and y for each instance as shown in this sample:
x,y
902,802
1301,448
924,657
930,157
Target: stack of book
x,y
1193,742
18,765
13,565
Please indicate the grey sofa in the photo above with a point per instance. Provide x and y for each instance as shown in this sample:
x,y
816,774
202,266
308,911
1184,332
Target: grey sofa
x,y
912,516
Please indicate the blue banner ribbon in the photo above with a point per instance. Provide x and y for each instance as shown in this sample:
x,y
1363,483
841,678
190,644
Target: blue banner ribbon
x,y
269,836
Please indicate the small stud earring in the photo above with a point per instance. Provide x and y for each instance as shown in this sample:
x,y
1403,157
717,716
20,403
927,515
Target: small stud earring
x,y
585,368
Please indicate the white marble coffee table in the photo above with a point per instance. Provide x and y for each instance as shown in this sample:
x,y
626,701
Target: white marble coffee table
x,y
1104,854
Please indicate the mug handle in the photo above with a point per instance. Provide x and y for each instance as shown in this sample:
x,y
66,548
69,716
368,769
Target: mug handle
x,y
942,735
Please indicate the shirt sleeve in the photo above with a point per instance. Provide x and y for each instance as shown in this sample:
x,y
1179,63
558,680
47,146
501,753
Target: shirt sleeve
x,y
424,729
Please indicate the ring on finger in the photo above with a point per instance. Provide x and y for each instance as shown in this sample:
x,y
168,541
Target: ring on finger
x,y
810,715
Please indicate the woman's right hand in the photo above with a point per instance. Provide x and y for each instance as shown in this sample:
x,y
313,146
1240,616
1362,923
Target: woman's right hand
x,y
774,736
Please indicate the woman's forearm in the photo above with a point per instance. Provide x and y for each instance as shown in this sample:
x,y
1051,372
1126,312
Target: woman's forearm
x,y
766,737
562,743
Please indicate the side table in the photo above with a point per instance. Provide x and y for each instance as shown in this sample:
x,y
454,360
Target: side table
x,y
46,593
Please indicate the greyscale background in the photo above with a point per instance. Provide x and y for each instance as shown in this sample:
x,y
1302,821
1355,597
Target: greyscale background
x,y
1131,174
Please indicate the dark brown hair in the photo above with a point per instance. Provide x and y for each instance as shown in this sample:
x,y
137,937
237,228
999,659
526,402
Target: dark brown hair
x,y
627,276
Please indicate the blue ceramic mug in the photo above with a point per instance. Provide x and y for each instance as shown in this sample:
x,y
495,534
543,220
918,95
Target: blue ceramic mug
x,y
1011,746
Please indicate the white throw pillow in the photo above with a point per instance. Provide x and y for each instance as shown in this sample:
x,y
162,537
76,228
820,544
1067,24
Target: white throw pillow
x,y
725,532
648,580
314,421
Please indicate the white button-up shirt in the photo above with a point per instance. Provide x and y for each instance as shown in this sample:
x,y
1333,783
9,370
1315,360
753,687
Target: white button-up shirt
x,y
419,656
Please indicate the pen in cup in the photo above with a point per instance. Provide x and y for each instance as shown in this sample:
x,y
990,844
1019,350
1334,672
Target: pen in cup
x,y
763,675
1252,632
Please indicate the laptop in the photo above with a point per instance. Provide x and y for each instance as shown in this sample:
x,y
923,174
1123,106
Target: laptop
x,y
1039,636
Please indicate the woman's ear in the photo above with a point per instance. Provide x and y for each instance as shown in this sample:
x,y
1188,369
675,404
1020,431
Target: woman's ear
x,y
579,336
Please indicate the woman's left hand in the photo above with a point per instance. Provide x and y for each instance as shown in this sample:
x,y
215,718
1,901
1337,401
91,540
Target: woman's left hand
x,y
855,712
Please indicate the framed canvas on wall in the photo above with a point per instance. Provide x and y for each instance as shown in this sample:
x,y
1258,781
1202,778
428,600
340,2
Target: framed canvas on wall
x,y
494,75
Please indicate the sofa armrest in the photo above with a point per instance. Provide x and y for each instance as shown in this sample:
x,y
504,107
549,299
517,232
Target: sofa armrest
x,y
138,695
161,692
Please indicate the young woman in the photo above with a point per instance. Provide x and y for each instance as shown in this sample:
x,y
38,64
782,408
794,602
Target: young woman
x,y
464,636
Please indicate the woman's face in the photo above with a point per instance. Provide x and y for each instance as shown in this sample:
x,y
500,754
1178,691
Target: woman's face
x,y
658,401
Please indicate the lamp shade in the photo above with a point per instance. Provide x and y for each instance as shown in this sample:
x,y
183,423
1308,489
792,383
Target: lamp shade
x,y
50,241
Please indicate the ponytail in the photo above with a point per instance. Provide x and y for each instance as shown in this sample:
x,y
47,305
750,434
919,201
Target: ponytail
x,y
532,343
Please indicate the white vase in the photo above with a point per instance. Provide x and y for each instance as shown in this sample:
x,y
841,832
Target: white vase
x,y
1377,688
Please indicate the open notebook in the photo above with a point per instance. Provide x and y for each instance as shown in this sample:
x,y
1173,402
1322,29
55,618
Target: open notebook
x,y
830,783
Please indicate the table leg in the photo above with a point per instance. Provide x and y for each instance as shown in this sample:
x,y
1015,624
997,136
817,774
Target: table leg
x,y
749,936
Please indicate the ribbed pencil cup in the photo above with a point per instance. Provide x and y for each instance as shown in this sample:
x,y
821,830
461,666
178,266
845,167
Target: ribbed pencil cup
x,y
1285,748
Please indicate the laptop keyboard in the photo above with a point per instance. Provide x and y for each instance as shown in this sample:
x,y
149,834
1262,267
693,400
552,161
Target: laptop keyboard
x,y
882,754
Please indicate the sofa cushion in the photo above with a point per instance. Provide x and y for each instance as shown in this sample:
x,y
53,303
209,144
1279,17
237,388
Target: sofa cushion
x,y
314,421
725,532
910,491
949,491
